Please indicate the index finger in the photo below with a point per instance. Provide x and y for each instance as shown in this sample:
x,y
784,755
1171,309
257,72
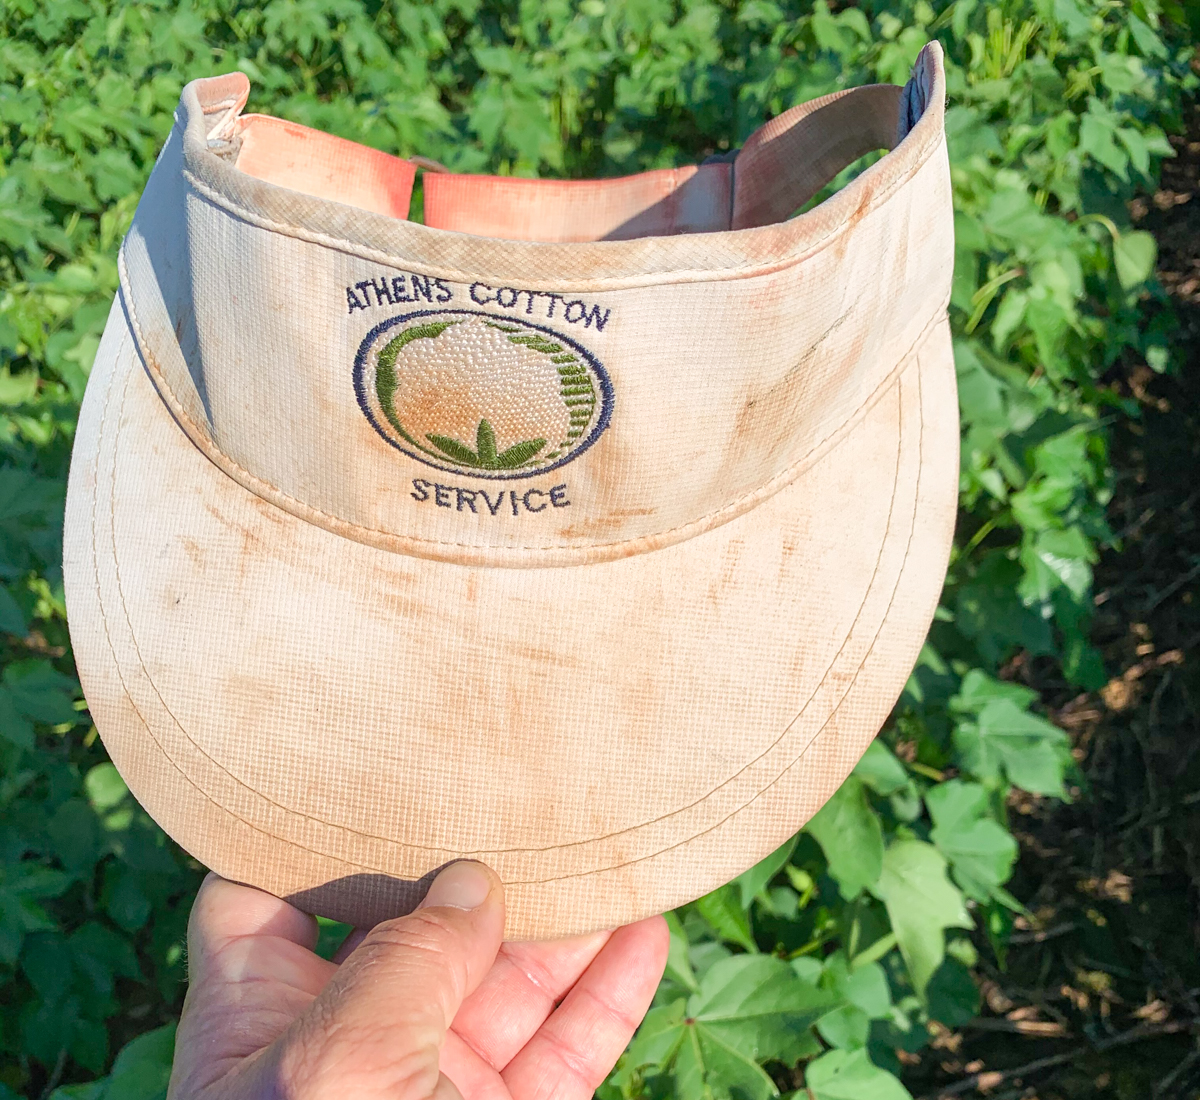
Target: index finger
x,y
225,911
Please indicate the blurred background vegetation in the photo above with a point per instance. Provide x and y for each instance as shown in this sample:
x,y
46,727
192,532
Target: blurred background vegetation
x,y
1001,899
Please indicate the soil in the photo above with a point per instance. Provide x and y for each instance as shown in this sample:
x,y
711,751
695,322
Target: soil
x,y
1099,997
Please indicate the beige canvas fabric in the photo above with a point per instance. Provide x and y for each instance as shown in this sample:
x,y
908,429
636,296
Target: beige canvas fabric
x,y
589,529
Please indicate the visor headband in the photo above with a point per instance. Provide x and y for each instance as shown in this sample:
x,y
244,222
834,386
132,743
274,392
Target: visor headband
x,y
421,399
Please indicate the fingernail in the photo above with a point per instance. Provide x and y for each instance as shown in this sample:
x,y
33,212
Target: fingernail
x,y
463,885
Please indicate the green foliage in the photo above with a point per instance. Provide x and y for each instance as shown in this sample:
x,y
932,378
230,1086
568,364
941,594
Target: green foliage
x,y
820,963
748,1009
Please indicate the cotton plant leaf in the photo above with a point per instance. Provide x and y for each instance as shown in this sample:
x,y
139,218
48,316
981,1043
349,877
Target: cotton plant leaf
x,y
750,883
34,691
847,1026
708,1068
864,986
879,769
951,994
12,618
862,995
141,1071
22,912
851,1075
851,837
921,903
15,727
997,737
977,689
679,966
1005,740
758,1003
728,917
748,1009
980,850
1134,255
1056,559
104,787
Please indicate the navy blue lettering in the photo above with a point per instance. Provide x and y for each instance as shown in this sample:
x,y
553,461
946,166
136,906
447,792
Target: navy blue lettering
x,y
553,298
507,290
444,293
582,311
460,499
420,286
382,291
594,315
399,290
532,294
481,301
352,299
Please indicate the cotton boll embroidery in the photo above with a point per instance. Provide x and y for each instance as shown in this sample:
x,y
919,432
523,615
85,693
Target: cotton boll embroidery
x,y
471,393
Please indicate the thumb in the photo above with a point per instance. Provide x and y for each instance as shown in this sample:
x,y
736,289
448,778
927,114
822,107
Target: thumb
x,y
377,1028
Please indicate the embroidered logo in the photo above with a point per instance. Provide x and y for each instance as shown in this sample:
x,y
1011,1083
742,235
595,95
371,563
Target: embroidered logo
x,y
476,394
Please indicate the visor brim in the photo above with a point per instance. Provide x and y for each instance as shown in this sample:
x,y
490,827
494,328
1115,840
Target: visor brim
x,y
333,722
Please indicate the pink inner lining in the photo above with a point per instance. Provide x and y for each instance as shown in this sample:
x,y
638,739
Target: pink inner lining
x,y
783,164
326,167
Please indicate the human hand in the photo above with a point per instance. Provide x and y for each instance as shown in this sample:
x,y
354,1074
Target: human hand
x,y
429,1006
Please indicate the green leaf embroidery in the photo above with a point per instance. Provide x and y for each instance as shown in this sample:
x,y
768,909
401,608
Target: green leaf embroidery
x,y
485,445
460,452
519,454
484,457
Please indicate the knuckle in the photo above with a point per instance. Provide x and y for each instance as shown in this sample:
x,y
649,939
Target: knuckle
x,y
616,1015
425,930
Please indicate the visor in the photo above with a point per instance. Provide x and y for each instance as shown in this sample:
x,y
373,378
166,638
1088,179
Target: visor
x,y
590,529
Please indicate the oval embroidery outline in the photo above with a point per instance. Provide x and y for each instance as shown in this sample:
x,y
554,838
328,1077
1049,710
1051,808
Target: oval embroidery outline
x,y
510,399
